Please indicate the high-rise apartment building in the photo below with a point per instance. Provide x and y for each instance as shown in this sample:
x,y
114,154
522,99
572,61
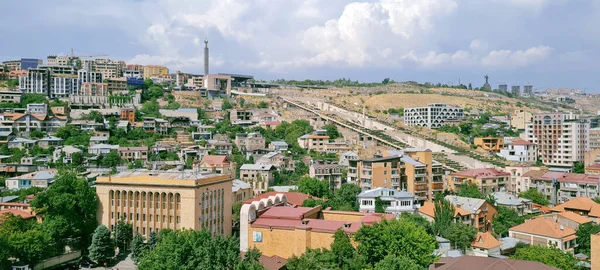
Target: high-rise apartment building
x,y
562,138
594,139
109,68
411,169
36,81
63,85
86,76
432,116
520,118
174,199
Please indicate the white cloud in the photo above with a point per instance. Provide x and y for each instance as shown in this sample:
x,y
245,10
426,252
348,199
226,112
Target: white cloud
x,y
508,58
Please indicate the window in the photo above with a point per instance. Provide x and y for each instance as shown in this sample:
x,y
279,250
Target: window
x,y
257,237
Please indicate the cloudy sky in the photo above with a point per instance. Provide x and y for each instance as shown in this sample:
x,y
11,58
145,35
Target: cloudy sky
x,y
548,43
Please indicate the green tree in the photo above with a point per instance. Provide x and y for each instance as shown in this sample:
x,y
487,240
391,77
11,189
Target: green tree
x,y
138,247
332,131
94,116
470,190
506,219
187,249
69,201
30,246
379,206
443,214
535,196
262,105
583,237
342,248
111,160
311,259
150,109
395,237
313,203
548,256
101,249
152,240
155,92
344,198
460,234
578,167
393,262
226,105
5,255
123,234
314,187
418,220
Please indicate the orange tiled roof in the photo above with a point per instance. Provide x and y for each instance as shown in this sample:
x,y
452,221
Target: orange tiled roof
x,y
544,227
575,217
483,172
543,208
429,210
485,240
579,203
214,160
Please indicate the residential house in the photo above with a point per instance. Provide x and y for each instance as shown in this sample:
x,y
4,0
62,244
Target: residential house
x,y
519,150
278,146
250,142
217,164
220,147
568,219
327,171
124,125
412,169
281,162
236,115
102,149
593,169
518,181
86,125
10,96
347,156
21,143
66,153
394,201
474,262
127,114
427,211
6,136
49,141
583,206
313,142
276,229
521,205
258,175
545,233
336,147
484,245
195,152
490,143
572,185
41,179
241,191
489,180
263,117
482,212
98,140
133,153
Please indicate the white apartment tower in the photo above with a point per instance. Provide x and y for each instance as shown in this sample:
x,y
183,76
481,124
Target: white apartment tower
x,y
432,116
36,81
562,138
89,76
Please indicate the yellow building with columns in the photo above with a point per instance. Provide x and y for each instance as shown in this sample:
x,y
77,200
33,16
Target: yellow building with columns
x,y
152,200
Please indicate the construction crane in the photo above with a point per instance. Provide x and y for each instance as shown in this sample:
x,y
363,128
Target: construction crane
x,y
86,56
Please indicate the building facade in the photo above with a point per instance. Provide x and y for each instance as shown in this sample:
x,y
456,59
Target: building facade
x,y
520,118
155,200
394,201
489,143
432,116
326,171
562,138
546,233
260,176
154,70
488,180
518,150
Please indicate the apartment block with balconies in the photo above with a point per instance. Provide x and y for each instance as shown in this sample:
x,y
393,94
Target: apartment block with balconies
x,y
487,179
562,138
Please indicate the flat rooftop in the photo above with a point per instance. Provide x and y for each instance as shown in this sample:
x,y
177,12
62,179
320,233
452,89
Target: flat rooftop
x,y
173,177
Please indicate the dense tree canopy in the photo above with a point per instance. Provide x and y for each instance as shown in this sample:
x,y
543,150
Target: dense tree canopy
x,y
584,233
548,256
69,209
443,214
101,249
506,219
332,131
470,190
314,187
189,249
460,235
535,195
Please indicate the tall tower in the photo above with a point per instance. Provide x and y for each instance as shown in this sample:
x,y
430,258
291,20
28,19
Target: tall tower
x,y
205,57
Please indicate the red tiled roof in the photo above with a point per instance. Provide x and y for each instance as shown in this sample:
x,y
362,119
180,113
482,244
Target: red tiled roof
x,y
593,167
272,123
521,142
485,240
543,208
544,227
294,198
16,212
484,172
214,160
270,263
